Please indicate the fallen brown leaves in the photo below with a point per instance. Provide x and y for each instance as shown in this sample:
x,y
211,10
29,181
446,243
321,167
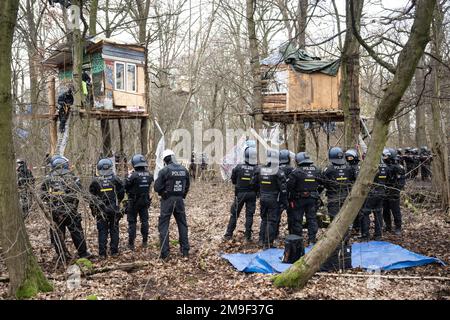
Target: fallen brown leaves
x,y
205,275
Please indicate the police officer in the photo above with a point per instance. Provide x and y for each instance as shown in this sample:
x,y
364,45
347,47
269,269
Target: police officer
x,y
303,186
374,203
425,159
137,187
172,185
409,162
395,183
285,166
338,177
352,158
415,162
108,192
60,192
271,183
65,100
243,177
25,182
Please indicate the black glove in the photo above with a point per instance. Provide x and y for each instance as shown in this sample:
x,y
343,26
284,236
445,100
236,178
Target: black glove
x,y
284,204
94,210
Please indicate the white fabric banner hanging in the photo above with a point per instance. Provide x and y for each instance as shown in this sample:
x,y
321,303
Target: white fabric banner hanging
x,y
159,162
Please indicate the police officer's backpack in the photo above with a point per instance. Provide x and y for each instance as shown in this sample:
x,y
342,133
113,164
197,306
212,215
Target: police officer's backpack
x,y
293,248
341,259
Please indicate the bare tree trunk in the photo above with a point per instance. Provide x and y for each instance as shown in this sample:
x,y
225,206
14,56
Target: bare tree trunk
x,y
421,136
93,18
143,8
106,137
439,136
400,135
302,9
405,124
26,276
254,65
300,136
302,270
77,43
121,148
33,56
349,95
285,133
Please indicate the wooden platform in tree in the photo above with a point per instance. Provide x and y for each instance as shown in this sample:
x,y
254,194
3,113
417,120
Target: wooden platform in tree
x,y
96,114
115,114
284,116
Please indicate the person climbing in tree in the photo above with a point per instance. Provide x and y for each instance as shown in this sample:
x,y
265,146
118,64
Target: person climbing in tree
x,y
87,88
65,100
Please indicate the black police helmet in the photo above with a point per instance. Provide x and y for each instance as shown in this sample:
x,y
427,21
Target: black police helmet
x,y
250,155
389,155
351,155
336,156
284,156
138,161
394,153
60,165
302,158
105,167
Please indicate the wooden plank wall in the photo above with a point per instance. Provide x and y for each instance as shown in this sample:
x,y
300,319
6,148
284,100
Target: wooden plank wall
x,y
316,91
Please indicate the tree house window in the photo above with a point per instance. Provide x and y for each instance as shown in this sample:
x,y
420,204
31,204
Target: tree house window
x,y
125,76
120,75
131,77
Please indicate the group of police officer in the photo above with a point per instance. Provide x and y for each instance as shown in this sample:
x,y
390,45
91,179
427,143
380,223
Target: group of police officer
x,y
110,198
414,160
281,187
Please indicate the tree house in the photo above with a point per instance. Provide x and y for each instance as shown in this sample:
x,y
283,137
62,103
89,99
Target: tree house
x,y
293,92
117,75
117,89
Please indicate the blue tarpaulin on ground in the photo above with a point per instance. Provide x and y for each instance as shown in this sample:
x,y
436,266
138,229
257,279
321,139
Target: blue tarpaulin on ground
x,y
373,255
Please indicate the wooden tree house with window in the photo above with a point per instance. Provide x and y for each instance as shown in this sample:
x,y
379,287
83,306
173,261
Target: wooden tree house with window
x,y
117,73
297,87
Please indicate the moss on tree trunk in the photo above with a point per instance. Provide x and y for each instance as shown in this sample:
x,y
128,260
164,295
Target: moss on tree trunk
x,y
35,281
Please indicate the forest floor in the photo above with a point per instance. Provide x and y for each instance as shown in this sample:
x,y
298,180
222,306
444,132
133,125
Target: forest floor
x,y
205,275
